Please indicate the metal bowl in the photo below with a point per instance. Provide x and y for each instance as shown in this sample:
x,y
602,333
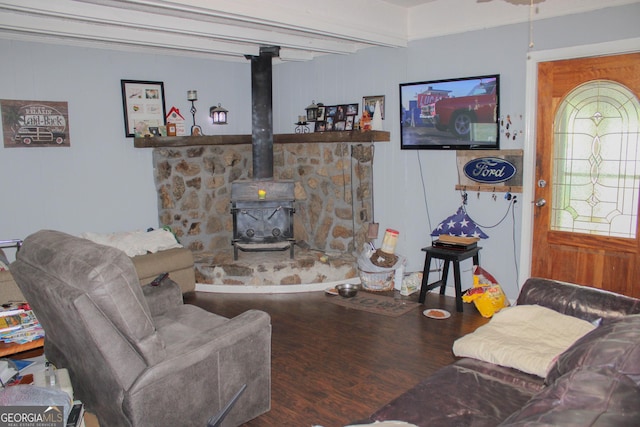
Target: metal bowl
x,y
348,290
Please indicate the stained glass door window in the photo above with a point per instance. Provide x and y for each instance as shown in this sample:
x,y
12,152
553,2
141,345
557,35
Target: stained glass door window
x,y
596,162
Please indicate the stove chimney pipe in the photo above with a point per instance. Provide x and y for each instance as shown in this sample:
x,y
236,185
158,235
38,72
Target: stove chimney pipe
x,y
262,112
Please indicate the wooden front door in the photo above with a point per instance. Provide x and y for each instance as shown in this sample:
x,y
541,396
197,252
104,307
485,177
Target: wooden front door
x,y
586,224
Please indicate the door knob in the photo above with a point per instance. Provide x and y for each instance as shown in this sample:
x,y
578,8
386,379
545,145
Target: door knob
x,y
541,202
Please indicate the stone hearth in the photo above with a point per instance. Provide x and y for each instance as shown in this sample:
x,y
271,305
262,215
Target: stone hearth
x,y
273,268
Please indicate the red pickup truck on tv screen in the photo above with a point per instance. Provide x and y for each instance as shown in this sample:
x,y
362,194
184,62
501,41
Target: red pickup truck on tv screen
x,y
458,113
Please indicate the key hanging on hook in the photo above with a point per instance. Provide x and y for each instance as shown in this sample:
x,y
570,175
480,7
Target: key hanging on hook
x,y
508,195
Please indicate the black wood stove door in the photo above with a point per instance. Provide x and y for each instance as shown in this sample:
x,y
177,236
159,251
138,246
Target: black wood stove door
x,y
262,222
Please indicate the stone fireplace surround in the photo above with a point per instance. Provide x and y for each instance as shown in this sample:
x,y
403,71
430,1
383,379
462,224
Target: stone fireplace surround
x,y
333,208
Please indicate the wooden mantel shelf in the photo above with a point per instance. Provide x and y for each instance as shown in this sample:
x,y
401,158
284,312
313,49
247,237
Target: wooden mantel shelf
x,y
283,138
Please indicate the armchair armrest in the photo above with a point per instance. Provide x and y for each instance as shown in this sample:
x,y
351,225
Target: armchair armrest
x,y
203,371
166,295
200,348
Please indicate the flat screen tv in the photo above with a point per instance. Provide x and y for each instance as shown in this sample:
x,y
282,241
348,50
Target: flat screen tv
x,y
451,114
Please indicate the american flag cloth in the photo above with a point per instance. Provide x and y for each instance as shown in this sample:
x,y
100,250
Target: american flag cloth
x,y
459,224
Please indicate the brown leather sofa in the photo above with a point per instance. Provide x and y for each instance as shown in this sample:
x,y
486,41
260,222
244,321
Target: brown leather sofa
x,y
596,382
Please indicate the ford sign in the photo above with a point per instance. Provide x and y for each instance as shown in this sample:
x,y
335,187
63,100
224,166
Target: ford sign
x,y
489,170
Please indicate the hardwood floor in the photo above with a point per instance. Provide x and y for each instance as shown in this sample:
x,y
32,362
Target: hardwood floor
x,y
333,365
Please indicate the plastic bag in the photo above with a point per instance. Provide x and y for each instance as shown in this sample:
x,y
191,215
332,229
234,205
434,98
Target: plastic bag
x,y
365,264
411,283
486,294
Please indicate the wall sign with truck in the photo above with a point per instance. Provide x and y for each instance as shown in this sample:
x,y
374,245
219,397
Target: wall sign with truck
x,y
35,123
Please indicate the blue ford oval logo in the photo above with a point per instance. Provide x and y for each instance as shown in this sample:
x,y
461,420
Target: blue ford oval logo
x,y
489,170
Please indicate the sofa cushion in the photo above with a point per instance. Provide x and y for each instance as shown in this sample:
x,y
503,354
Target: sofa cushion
x,y
526,337
615,344
587,396
9,290
521,380
178,262
457,395
4,262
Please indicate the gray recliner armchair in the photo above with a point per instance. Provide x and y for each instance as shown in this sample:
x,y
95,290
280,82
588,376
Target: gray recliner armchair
x,y
138,356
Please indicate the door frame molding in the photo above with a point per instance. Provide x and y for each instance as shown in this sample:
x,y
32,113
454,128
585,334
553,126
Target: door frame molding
x,y
529,150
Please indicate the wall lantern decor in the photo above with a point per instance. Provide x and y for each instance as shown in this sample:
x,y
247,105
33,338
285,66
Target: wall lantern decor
x,y
312,112
218,115
192,95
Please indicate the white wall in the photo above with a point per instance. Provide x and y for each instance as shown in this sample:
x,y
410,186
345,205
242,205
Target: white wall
x,y
412,200
415,190
101,183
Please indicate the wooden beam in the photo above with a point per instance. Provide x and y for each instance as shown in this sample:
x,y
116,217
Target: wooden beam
x,y
285,138
499,188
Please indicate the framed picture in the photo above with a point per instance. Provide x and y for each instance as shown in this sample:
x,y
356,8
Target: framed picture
x,y
321,113
369,105
329,123
349,123
35,123
143,104
352,110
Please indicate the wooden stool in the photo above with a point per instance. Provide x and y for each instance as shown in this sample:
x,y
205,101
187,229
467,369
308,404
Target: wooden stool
x,y
448,255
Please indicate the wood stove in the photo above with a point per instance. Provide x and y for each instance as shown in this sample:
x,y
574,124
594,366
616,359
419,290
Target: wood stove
x,y
262,216
262,208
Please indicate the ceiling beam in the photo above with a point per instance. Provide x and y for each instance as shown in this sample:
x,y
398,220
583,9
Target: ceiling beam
x,y
205,33
374,22
20,23
102,16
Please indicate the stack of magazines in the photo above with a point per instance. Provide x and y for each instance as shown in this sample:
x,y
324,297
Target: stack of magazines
x,y
18,324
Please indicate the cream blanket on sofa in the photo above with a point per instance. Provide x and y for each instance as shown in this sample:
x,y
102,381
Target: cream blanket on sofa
x,y
136,242
525,337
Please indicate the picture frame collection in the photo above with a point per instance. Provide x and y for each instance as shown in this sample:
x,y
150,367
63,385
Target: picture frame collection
x,y
145,110
340,117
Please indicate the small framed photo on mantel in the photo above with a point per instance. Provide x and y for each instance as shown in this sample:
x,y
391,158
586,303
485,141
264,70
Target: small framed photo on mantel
x,y
369,105
144,107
